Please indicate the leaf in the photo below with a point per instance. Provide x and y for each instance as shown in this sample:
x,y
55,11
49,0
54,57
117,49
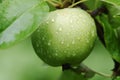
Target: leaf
x,y
19,19
113,2
0,1
118,33
111,40
93,4
114,15
10,10
113,7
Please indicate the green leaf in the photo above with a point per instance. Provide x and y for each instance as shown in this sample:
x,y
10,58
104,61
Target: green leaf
x,y
93,4
19,19
113,2
0,1
70,75
114,15
118,33
113,7
111,40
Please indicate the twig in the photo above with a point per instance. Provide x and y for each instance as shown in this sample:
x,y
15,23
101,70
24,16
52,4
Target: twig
x,y
77,3
84,69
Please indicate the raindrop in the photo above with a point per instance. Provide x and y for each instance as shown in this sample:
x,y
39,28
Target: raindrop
x,y
71,21
92,33
65,51
73,54
60,29
68,34
56,50
53,20
62,42
84,20
49,43
58,14
72,26
68,45
73,42
47,22
43,38
38,30
56,54
56,32
37,45
87,41
78,38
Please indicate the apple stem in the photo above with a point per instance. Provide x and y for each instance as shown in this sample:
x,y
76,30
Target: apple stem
x,y
54,3
74,4
66,66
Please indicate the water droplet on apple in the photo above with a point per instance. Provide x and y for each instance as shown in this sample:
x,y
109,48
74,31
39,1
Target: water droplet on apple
x,y
68,45
38,30
56,32
37,45
92,33
60,29
65,51
49,43
87,41
73,42
56,54
43,38
71,21
62,42
47,22
73,54
78,38
53,20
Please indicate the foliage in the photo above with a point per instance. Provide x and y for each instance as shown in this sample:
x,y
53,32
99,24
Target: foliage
x,y
20,18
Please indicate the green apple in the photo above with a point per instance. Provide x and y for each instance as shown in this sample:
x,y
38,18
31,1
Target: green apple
x,y
65,36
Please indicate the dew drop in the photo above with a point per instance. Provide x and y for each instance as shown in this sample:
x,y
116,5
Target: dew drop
x,y
71,21
92,33
49,43
73,54
56,32
65,51
68,45
73,42
56,54
38,30
37,45
60,29
62,42
84,20
53,20
87,41
56,51
68,34
78,38
47,22
43,38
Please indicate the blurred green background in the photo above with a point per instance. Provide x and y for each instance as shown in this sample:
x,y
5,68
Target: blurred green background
x,y
20,62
